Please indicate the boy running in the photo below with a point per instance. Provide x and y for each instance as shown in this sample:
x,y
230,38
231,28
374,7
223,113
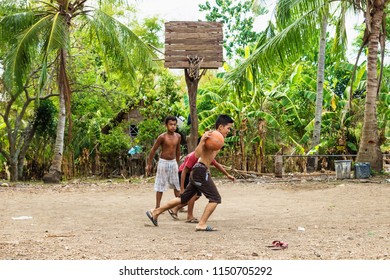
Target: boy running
x,y
200,179
184,176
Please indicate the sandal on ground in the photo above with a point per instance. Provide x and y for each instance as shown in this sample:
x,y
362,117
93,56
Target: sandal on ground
x,y
208,228
278,245
173,214
150,216
193,221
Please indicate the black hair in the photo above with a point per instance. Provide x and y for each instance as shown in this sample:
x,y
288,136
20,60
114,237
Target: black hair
x,y
223,120
170,118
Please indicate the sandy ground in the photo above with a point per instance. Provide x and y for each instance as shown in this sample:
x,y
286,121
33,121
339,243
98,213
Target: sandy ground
x,y
319,217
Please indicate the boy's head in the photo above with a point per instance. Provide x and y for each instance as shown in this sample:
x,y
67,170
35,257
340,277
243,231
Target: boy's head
x,y
223,124
170,118
171,123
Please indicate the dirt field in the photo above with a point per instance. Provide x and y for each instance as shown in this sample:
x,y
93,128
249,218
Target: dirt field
x,y
319,217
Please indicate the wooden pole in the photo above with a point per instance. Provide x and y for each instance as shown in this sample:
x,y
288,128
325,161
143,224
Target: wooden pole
x,y
279,166
192,86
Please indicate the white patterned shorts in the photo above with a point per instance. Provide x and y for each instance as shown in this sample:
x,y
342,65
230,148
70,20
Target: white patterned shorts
x,y
166,175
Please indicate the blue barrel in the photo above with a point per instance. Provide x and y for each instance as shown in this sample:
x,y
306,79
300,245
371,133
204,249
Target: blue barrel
x,y
362,170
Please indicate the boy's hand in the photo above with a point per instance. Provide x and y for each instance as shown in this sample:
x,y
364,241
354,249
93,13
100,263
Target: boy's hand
x,y
147,171
206,135
232,178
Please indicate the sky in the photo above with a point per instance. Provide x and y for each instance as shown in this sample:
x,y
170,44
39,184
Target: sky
x,y
188,10
181,10
171,10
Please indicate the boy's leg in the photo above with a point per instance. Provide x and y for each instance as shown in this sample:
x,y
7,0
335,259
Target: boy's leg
x,y
191,203
158,198
206,186
176,208
170,204
209,209
185,197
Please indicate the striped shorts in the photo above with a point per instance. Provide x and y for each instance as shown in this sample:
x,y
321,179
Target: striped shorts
x,y
166,175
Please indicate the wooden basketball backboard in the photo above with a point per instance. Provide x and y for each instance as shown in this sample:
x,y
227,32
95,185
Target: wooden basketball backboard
x,y
189,38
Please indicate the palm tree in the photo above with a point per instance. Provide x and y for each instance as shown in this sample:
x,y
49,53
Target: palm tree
x,y
45,34
369,148
248,107
297,21
298,34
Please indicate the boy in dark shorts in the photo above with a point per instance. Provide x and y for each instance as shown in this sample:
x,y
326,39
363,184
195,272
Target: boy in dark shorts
x,y
200,179
184,177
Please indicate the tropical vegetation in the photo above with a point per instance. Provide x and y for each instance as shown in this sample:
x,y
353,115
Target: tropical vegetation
x,y
71,69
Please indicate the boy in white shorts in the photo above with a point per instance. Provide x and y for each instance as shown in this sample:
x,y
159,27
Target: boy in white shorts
x,y
167,167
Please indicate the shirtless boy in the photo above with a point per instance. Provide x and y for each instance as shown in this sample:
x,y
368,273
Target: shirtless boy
x,y
200,179
167,166
184,176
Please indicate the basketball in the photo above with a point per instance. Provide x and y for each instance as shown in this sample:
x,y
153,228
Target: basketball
x,y
215,141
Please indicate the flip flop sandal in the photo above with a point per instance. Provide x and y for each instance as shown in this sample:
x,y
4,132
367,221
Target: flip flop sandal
x,y
281,246
274,244
278,245
173,215
193,221
150,216
208,228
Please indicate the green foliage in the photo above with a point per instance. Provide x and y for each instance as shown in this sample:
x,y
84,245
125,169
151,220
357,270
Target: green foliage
x,y
148,131
116,143
45,119
238,23
265,92
164,100
149,30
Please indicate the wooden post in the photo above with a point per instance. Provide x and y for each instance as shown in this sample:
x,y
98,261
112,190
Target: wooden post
x,y
192,86
193,45
278,166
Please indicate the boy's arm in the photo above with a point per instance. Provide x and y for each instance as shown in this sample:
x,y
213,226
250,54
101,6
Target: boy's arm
x,y
200,147
151,155
220,168
178,151
188,163
183,178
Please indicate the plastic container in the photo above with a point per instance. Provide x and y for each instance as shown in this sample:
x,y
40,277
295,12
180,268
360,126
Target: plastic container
x,y
362,170
343,169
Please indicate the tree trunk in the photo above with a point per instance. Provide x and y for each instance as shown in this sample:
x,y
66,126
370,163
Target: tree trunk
x,y
242,148
192,86
313,161
369,150
13,169
54,175
28,136
262,131
243,130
